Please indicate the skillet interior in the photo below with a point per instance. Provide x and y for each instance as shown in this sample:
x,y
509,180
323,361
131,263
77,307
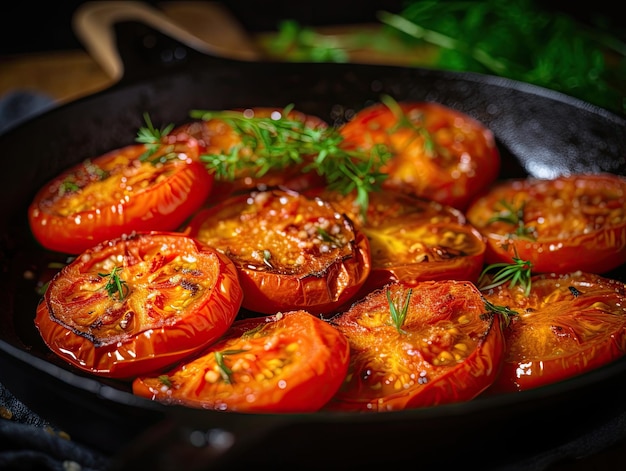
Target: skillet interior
x,y
539,132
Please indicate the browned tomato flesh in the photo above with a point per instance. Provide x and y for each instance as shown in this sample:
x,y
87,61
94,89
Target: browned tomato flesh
x,y
446,347
413,239
288,362
560,225
139,303
292,252
438,153
117,193
567,325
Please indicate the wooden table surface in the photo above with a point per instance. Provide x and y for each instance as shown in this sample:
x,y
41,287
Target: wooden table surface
x,y
68,75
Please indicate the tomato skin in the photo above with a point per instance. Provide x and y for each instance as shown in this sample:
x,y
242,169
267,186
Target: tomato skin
x,y
580,222
568,325
302,270
116,194
412,239
464,161
306,359
448,350
175,305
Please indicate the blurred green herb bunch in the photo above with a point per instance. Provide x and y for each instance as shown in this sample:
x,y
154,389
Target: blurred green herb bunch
x,y
517,39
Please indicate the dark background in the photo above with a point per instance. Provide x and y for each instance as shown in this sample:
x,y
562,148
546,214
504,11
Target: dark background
x,y
28,26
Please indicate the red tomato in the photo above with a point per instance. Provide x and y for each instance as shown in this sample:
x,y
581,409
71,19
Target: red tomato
x,y
288,362
413,239
218,137
438,153
117,193
135,304
446,349
292,252
560,225
568,325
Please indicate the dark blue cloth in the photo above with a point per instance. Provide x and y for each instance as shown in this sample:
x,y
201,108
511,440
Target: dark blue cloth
x,y
19,106
29,442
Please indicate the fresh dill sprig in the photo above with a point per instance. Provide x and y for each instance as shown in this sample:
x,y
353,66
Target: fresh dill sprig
x,y
515,217
517,273
402,121
153,140
325,236
506,312
224,370
268,143
115,285
68,186
400,310
165,380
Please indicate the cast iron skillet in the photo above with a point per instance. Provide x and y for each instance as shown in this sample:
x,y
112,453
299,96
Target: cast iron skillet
x,y
539,133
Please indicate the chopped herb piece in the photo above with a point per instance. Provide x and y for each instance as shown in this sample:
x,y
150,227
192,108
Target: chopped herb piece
x,y
164,379
518,273
115,285
398,314
225,371
325,236
153,139
515,217
506,312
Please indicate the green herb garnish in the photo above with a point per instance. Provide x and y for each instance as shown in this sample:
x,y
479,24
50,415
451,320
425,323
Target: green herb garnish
x,y
115,285
402,121
325,236
225,371
505,312
153,139
68,186
515,217
165,380
517,273
268,143
399,311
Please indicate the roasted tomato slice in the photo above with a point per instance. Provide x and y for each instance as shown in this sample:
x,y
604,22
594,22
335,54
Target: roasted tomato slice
x,y
231,133
413,239
568,324
292,252
438,153
288,362
132,305
560,225
434,343
117,193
